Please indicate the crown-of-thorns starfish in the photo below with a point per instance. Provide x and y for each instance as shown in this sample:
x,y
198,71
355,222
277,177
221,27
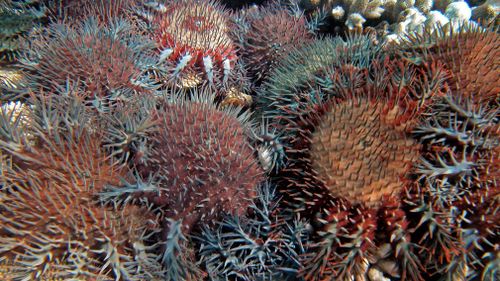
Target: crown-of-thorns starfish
x,y
194,40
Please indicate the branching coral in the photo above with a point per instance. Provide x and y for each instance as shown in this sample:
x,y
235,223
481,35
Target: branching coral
x,y
487,13
354,13
393,20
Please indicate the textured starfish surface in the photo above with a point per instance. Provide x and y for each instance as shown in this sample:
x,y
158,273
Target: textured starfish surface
x,y
204,161
272,35
194,40
75,59
358,155
471,53
102,61
51,223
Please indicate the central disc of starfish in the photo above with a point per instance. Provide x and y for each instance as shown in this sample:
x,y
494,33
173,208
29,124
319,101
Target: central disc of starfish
x,y
197,23
196,27
358,154
195,44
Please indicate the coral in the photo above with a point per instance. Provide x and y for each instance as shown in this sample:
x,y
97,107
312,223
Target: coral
x,y
458,11
392,20
411,20
393,9
51,224
104,61
271,36
470,53
200,160
195,45
487,12
348,10
440,5
406,17
435,19
355,22
450,16
424,6
260,246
